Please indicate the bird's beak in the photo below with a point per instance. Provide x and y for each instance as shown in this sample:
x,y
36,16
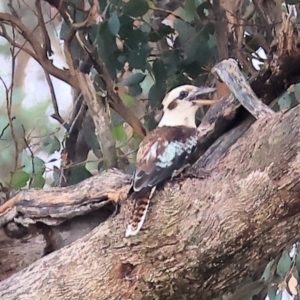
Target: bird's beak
x,y
194,98
203,102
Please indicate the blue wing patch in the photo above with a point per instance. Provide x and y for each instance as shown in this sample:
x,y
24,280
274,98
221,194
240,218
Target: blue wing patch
x,y
161,160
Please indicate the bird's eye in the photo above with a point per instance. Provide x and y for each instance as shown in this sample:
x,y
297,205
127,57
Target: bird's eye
x,y
182,95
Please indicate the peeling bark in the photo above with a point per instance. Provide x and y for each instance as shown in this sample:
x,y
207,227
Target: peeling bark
x,y
200,237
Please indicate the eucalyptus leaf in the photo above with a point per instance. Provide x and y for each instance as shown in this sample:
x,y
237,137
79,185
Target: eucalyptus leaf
x,y
284,264
267,272
51,144
135,90
107,49
298,259
114,24
278,296
78,174
39,166
190,10
272,289
126,26
128,100
159,70
116,119
19,179
136,8
134,79
90,138
38,181
119,135
193,44
137,58
156,94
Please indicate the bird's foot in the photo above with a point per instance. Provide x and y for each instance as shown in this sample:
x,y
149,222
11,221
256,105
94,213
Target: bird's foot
x,y
116,210
178,173
196,173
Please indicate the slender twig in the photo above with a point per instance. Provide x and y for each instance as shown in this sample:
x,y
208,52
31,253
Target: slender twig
x,y
37,49
79,113
114,99
41,23
31,155
5,127
168,12
9,92
13,43
56,114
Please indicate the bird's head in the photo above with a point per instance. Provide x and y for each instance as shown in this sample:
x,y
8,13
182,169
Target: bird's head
x,y
181,104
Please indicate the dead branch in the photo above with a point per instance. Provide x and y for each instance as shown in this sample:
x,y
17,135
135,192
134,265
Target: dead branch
x,y
276,76
54,206
239,85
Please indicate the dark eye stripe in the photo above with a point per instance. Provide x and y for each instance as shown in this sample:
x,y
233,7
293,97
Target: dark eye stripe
x,y
172,105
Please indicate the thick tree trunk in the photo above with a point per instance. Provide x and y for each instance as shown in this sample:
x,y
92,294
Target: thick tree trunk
x,y
201,237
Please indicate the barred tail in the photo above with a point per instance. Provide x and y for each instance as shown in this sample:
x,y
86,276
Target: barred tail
x,y
138,217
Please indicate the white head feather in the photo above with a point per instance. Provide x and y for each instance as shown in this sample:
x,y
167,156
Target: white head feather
x,y
180,105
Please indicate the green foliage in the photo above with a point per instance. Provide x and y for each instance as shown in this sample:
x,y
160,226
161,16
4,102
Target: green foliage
x,y
133,83
134,79
291,2
38,181
119,135
268,274
283,265
136,8
51,144
91,140
78,174
278,296
280,273
194,48
114,24
272,290
168,70
289,99
127,99
19,179
163,30
156,94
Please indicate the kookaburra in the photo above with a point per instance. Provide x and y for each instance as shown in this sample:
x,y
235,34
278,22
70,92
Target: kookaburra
x,y
166,149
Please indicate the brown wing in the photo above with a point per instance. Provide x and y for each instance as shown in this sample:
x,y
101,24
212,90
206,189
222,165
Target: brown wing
x,y
163,151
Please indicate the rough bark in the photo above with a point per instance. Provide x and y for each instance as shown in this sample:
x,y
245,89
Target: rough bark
x,y
200,237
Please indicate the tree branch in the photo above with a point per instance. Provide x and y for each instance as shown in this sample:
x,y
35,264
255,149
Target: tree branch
x,y
63,75
241,89
69,76
99,113
114,99
275,77
202,229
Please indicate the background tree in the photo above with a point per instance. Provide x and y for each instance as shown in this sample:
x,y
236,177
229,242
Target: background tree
x,y
121,58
